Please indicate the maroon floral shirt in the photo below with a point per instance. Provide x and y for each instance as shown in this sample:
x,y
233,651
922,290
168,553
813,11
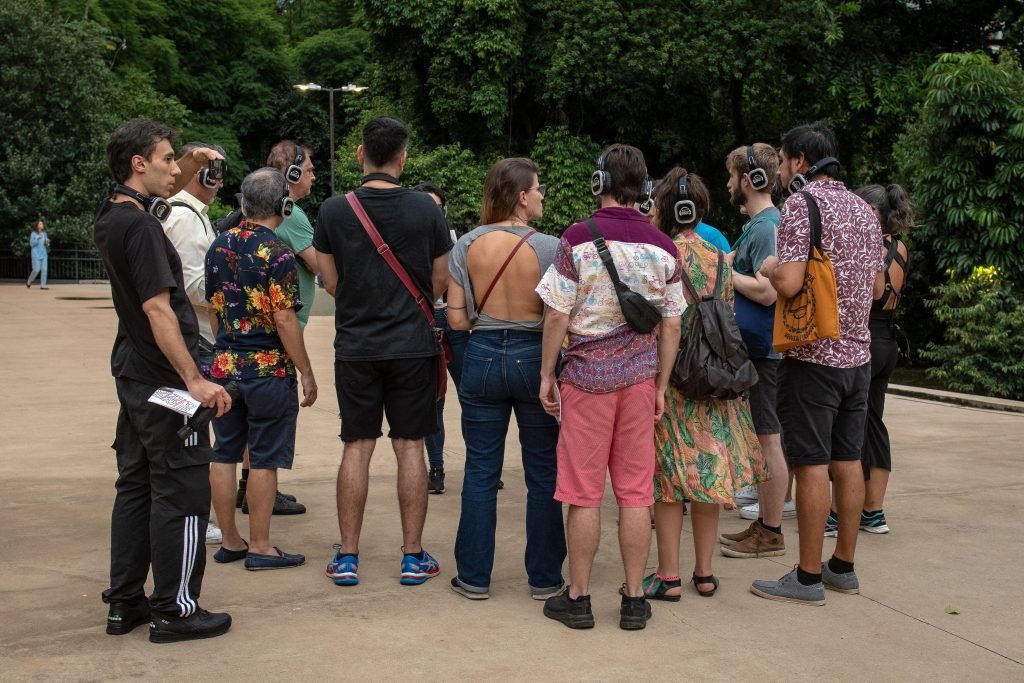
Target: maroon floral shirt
x,y
852,236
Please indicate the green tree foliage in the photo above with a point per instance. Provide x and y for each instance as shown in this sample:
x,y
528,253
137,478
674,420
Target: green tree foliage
x,y
983,346
60,103
965,158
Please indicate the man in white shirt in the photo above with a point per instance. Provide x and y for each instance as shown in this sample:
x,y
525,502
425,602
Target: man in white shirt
x,y
190,231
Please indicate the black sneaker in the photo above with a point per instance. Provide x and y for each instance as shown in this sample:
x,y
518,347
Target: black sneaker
x,y
123,618
164,628
282,506
435,480
573,613
634,613
240,496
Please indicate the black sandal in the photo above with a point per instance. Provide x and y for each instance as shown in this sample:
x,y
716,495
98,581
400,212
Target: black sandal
x,y
656,588
705,579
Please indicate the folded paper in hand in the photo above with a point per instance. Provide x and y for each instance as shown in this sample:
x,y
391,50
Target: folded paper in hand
x,y
178,400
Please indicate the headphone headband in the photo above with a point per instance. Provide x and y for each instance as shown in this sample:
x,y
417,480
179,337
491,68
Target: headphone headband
x,y
801,179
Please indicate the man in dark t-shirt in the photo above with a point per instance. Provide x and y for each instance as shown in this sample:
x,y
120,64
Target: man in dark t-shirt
x,y
385,351
163,489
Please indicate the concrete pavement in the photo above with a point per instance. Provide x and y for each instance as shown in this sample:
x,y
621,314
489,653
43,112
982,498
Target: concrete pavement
x,y
954,505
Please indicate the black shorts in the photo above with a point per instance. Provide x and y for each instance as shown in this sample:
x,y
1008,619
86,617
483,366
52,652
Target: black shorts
x,y
822,411
404,389
763,396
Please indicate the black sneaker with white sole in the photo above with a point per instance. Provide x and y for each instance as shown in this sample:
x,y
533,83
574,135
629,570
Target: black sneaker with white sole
x,y
164,628
435,480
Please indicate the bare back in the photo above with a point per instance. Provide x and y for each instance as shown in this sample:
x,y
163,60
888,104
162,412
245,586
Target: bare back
x,y
513,296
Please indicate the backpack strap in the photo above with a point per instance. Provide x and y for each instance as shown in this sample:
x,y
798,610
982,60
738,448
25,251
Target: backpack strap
x,y
389,256
720,276
501,271
814,216
193,210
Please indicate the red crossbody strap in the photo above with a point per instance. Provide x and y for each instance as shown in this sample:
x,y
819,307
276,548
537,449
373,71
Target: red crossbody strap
x,y
384,250
501,271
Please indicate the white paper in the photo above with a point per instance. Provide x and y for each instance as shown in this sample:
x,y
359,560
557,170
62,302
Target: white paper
x,y
178,400
558,397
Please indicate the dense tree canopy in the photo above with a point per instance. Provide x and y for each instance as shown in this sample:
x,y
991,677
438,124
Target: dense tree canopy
x,y
553,79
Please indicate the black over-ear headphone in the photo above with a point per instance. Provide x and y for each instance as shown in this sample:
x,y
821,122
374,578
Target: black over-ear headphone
x,y
286,206
601,180
156,206
293,173
685,209
800,179
757,175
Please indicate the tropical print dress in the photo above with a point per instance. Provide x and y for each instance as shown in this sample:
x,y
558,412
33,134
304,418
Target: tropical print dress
x,y
706,450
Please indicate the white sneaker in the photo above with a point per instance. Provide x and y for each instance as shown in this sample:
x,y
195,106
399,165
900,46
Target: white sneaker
x,y
754,511
213,534
746,496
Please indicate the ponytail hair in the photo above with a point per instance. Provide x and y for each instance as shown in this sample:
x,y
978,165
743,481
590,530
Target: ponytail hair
x,y
893,204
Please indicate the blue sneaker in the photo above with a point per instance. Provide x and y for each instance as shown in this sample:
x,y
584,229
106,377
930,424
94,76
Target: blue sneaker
x,y
344,568
416,571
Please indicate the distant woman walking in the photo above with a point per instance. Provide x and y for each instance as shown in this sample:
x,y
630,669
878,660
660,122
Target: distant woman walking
x,y
39,243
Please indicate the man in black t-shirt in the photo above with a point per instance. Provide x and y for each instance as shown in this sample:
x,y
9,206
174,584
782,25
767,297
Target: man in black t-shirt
x,y
163,487
385,351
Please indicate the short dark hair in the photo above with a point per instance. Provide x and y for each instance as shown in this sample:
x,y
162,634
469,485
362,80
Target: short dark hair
x,y
384,138
504,181
262,192
434,189
626,166
282,155
893,204
138,137
815,141
667,194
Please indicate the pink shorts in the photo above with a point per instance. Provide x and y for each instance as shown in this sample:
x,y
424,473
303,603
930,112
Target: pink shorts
x,y
611,433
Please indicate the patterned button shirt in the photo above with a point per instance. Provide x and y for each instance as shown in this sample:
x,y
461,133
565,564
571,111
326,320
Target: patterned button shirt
x,y
852,236
250,275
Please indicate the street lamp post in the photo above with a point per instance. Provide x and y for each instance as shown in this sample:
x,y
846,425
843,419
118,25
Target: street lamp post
x,y
351,87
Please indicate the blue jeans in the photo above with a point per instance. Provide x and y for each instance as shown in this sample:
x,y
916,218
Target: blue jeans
x,y
458,339
501,373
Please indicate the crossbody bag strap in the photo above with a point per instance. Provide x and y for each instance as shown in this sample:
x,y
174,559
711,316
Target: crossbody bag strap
x,y
389,256
501,271
814,216
193,210
602,251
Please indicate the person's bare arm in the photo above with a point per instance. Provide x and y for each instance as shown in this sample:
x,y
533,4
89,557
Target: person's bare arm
x,y
457,311
167,334
307,257
190,165
290,332
214,322
328,271
757,288
556,324
439,276
786,278
668,347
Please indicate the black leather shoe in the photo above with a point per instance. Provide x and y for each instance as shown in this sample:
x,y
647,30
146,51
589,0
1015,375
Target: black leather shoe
x,y
282,506
164,628
123,618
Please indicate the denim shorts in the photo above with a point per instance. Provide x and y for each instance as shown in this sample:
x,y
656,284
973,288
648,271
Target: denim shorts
x,y
263,418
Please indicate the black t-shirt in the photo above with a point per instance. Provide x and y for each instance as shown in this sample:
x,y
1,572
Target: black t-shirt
x,y
141,261
375,316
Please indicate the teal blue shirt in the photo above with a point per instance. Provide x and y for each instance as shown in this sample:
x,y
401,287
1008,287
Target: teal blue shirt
x,y
297,232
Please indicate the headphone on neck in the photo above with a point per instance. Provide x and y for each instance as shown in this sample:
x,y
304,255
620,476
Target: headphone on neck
x,y
293,173
158,207
685,210
801,179
758,176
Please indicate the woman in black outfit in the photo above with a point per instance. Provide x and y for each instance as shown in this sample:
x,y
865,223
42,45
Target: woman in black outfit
x,y
894,211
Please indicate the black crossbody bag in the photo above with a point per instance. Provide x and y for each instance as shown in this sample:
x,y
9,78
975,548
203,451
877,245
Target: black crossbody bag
x,y
640,314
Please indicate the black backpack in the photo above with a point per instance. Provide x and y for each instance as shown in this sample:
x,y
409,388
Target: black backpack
x,y
233,219
712,361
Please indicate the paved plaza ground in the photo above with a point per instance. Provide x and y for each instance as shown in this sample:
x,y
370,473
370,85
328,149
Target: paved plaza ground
x,y
954,504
